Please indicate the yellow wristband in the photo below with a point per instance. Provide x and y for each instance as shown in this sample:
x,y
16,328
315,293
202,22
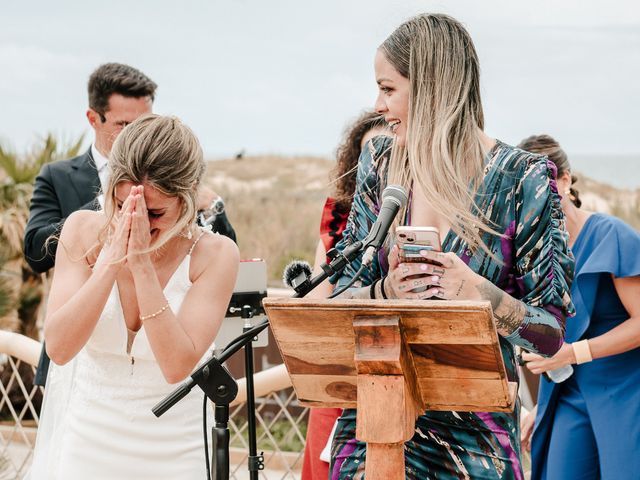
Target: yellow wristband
x,y
582,351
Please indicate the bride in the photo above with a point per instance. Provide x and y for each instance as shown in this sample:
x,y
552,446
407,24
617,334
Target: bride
x,y
137,298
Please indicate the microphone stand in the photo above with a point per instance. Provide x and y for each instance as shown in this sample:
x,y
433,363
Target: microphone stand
x,y
219,386
302,284
255,461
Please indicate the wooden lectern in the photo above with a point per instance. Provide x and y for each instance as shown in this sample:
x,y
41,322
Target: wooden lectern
x,y
392,360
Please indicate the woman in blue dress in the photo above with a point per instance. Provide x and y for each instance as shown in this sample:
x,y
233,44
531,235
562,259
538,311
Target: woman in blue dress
x,y
502,236
588,426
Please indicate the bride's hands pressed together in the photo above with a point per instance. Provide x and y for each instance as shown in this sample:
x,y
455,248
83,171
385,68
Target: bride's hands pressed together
x,y
140,237
117,245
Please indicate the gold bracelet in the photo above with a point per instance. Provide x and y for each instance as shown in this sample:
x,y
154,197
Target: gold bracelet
x,y
153,315
582,351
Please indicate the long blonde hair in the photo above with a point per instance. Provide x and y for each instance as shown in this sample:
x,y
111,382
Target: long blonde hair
x,y
164,153
443,152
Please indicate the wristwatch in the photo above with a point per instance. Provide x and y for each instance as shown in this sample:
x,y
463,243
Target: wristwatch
x,y
217,206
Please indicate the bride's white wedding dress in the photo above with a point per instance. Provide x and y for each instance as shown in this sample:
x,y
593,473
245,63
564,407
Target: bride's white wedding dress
x,y
96,421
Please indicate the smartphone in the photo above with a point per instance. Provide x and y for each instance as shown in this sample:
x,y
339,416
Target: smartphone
x,y
411,240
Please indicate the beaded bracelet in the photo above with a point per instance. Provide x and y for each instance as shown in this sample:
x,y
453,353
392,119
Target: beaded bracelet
x,y
153,315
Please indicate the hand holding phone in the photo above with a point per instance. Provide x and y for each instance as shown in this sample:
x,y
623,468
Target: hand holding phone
x,y
411,240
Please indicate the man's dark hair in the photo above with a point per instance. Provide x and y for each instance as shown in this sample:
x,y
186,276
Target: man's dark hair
x,y
113,78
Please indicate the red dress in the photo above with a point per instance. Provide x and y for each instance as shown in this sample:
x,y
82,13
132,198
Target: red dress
x,y
321,420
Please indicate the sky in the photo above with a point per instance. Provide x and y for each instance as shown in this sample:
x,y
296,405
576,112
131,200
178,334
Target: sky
x,y
286,77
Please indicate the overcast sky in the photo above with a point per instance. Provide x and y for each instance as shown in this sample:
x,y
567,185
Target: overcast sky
x,y
275,76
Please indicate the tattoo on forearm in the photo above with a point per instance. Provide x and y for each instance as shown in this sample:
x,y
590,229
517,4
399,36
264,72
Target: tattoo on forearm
x,y
508,312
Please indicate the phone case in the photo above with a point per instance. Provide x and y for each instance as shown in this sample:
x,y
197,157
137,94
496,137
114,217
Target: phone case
x,y
411,240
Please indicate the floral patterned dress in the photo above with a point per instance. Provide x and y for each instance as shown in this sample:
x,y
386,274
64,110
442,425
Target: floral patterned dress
x,y
532,263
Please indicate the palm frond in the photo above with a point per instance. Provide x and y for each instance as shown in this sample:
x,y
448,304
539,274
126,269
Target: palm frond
x,y
25,168
13,222
16,185
7,298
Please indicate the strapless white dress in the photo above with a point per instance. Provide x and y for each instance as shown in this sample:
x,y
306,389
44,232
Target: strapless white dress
x,y
96,421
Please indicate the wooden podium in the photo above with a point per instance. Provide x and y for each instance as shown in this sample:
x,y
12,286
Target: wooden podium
x,y
392,360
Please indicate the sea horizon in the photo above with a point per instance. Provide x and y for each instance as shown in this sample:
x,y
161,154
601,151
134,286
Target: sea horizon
x,y
620,171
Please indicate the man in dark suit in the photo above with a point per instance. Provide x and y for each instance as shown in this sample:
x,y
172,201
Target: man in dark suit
x,y
118,95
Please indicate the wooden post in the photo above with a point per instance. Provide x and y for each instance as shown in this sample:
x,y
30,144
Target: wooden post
x,y
387,408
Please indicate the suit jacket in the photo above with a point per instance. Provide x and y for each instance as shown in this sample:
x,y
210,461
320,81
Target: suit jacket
x,y
61,188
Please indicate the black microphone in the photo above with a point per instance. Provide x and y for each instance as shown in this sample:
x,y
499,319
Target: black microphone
x,y
394,197
296,273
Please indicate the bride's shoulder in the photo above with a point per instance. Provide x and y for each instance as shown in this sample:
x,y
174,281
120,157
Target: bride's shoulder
x,y
213,244
82,221
214,250
82,228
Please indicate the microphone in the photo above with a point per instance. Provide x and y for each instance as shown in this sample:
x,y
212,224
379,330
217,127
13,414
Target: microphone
x,y
394,197
296,273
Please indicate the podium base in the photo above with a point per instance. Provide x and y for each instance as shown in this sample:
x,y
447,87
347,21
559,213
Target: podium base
x,y
385,461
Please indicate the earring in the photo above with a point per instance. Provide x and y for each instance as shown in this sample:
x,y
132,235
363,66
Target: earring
x,y
188,235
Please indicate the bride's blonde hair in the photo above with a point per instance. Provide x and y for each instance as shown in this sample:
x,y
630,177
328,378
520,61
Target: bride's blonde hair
x,y
164,153
443,152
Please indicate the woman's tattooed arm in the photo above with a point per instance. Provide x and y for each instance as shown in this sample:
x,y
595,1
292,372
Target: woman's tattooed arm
x,y
508,312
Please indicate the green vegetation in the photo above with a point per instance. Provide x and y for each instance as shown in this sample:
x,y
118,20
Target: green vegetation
x,y
21,289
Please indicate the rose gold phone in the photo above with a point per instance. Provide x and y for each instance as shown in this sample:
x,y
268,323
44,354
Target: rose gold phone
x,y
411,240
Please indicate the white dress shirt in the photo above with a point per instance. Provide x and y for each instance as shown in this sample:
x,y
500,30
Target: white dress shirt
x,y
103,171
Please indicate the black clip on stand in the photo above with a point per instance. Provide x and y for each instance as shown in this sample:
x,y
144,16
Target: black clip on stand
x,y
302,284
220,387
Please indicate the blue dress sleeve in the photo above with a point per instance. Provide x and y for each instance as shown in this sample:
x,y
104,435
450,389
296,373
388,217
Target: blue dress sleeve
x,y
543,262
364,209
613,248
606,245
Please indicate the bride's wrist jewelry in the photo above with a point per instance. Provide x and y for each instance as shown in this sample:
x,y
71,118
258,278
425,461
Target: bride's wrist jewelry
x,y
153,315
